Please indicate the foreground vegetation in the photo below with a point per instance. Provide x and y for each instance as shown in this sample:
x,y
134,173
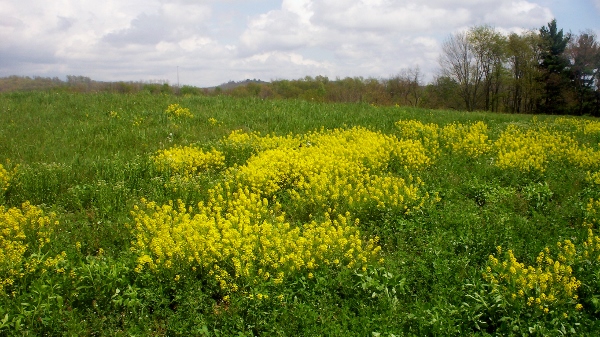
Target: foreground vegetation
x,y
189,215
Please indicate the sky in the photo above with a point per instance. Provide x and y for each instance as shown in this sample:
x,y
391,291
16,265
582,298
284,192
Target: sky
x,y
208,42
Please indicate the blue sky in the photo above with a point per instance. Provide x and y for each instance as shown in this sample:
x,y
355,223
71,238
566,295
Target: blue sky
x,y
212,42
576,15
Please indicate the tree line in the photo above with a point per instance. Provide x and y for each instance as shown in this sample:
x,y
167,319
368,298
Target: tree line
x,y
543,71
546,71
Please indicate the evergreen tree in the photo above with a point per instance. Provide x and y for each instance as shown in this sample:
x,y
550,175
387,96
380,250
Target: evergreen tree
x,y
555,68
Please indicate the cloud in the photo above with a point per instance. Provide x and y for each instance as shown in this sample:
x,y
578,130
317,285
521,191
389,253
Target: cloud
x,y
380,37
518,14
170,22
215,41
265,62
384,16
276,30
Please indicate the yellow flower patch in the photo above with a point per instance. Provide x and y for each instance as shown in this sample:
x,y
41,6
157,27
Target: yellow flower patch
x,y
550,284
240,139
427,134
177,111
5,177
532,149
546,286
18,226
237,238
470,140
347,170
187,160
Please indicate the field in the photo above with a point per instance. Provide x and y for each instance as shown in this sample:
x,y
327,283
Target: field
x,y
152,215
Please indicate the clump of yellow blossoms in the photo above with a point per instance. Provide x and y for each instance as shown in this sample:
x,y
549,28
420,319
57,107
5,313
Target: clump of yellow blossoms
x,y
241,236
4,179
584,126
463,139
592,211
543,287
348,170
238,238
532,149
19,228
213,121
470,140
427,134
526,149
550,285
175,110
239,139
593,178
187,160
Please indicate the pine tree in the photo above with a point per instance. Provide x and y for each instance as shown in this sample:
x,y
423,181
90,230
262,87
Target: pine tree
x,y
554,66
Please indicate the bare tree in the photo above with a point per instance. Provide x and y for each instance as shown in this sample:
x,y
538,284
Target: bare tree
x,y
406,87
459,63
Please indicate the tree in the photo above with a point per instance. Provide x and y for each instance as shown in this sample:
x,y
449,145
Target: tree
x,y
405,88
523,63
489,51
459,64
554,65
443,93
584,55
349,89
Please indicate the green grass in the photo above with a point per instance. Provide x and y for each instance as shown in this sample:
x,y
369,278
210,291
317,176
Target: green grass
x,y
90,166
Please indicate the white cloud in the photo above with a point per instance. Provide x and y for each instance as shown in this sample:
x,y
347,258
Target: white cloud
x,y
384,16
277,29
518,14
215,41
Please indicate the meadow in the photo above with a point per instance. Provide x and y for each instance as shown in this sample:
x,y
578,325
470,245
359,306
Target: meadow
x,y
161,215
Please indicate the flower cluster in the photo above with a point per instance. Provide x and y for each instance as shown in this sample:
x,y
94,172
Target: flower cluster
x,y
584,126
525,149
22,230
593,177
241,235
5,177
592,213
347,170
239,139
532,149
591,248
552,285
177,111
187,160
427,134
470,140
591,127
239,238
546,287
463,139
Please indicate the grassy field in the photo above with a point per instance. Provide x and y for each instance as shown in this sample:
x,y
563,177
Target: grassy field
x,y
213,216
